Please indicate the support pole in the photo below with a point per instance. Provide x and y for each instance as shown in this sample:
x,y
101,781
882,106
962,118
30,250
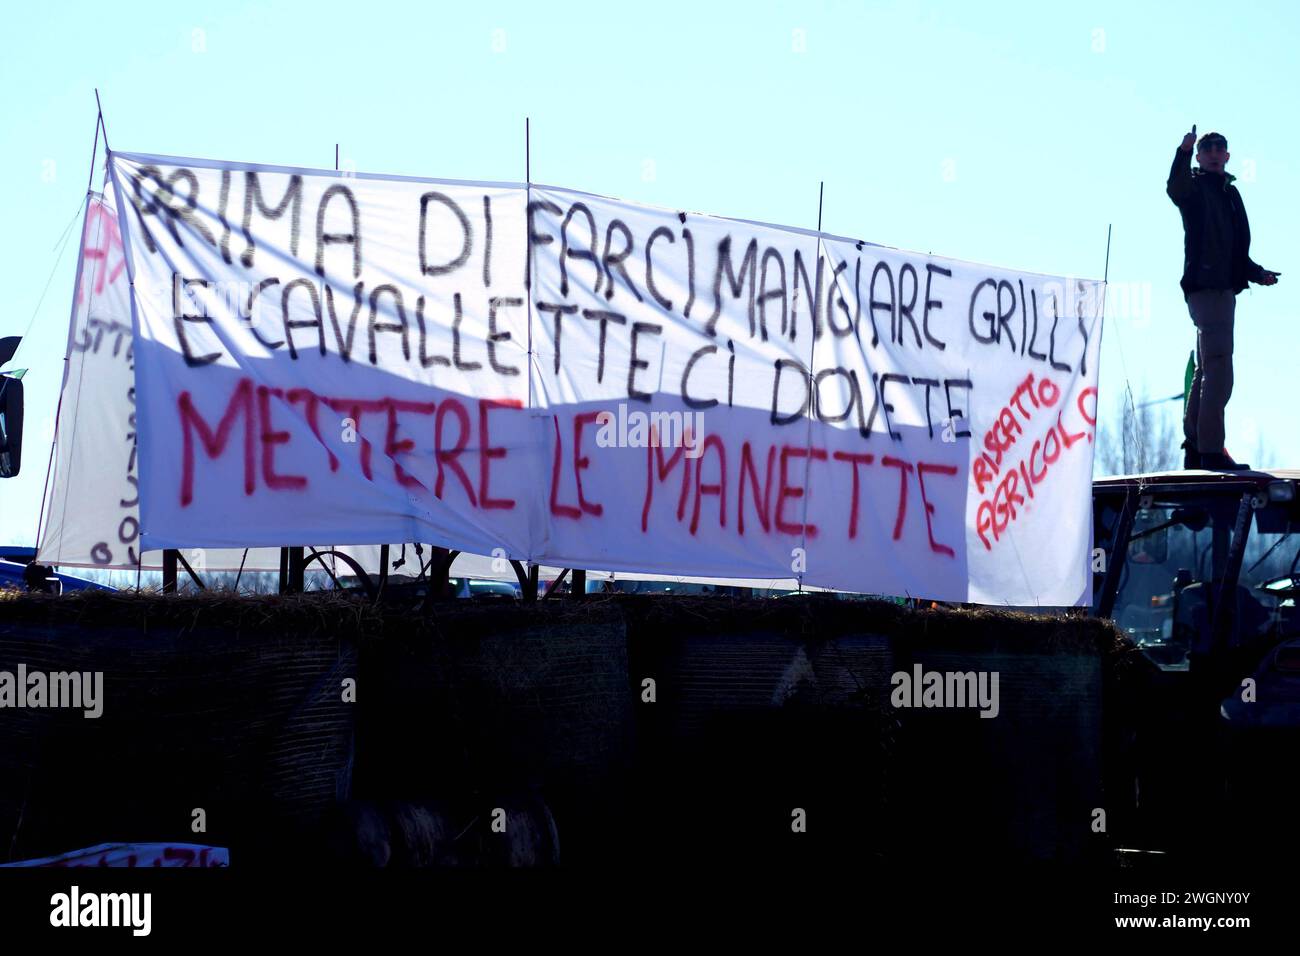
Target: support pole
x,y
383,570
439,572
1105,276
803,540
94,149
198,581
102,124
1224,603
297,569
527,580
169,570
58,408
554,586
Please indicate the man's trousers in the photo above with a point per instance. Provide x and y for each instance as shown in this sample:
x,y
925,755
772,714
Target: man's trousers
x,y
1212,310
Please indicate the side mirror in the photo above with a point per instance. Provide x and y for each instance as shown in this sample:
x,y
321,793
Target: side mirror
x,y
11,426
1193,519
11,412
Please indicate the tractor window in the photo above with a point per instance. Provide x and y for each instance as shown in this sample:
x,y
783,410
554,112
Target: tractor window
x,y
1167,579
1270,574
1106,513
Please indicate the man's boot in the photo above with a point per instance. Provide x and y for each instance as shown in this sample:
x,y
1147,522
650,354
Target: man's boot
x,y
1235,465
1221,461
1191,457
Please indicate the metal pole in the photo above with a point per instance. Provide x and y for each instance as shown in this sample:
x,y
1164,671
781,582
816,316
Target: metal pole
x,y
383,569
297,570
528,200
1105,276
100,106
94,150
1224,600
803,539
554,586
169,570
81,241
439,568
198,582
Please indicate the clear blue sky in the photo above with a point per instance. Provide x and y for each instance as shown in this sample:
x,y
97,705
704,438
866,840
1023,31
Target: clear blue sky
x,y
1000,132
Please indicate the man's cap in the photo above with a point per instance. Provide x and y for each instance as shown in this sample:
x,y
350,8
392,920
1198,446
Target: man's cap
x,y
1211,139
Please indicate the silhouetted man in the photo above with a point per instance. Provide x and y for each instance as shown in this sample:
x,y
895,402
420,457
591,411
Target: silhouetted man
x,y
1216,266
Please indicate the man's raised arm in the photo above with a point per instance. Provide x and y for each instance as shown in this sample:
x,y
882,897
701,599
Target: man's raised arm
x,y
1179,185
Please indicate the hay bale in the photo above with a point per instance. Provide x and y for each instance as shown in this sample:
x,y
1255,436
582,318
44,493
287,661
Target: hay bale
x,y
770,706
208,703
497,698
763,707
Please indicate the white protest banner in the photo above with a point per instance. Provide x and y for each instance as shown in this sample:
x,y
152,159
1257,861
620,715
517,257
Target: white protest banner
x,y
579,381
91,508
92,514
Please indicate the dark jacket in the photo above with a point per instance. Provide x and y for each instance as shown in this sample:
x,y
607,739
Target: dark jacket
x,y
1216,233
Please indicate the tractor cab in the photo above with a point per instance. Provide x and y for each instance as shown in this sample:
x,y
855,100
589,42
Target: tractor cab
x,y
1202,571
1199,568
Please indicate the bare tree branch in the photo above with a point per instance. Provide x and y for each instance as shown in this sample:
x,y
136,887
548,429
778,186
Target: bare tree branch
x,y
1138,438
